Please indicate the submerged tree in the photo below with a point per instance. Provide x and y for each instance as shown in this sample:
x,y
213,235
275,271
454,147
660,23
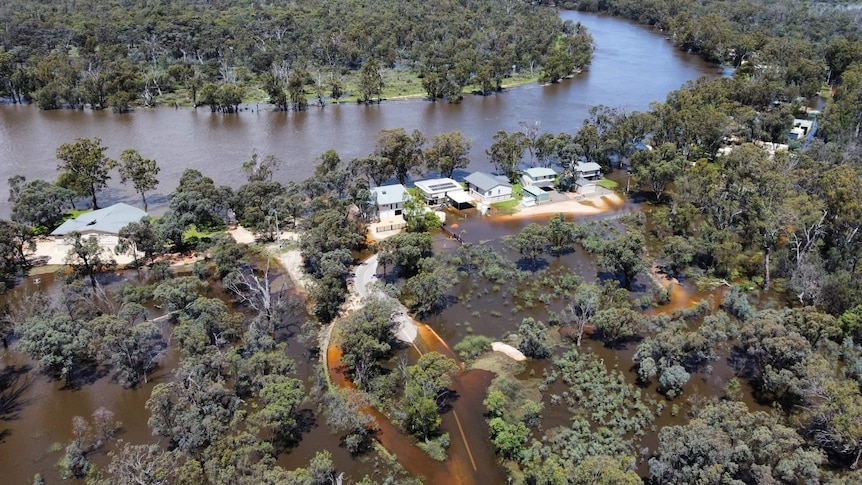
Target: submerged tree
x,y
448,152
624,255
87,257
535,342
84,167
140,171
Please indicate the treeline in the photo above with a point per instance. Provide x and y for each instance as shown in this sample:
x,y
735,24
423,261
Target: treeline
x,y
801,45
128,53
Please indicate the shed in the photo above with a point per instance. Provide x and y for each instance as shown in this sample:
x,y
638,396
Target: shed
x,y
584,186
460,199
536,193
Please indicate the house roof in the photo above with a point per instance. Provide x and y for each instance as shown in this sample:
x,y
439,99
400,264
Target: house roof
x,y
437,186
534,191
108,220
588,167
390,194
582,182
537,172
460,197
484,181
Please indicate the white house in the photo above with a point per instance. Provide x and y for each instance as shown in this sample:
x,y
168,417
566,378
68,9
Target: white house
x,y
541,177
390,200
439,191
488,188
588,170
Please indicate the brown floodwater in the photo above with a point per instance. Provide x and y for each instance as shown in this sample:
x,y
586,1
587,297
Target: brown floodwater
x,y
632,67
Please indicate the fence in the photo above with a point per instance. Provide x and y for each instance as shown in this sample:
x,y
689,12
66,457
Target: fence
x,y
391,227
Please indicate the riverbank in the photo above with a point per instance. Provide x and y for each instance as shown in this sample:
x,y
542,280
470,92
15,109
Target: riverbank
x,y
572,206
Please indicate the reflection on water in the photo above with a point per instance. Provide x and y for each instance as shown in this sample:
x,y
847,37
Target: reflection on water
x,y
632,67
218,144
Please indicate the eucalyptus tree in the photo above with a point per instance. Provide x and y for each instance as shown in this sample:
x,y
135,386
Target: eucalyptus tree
x,y
506,152
535,342
84,167
624,255
448,152
15,240
585,303
140,171
131,348
87,257
402,150
370,81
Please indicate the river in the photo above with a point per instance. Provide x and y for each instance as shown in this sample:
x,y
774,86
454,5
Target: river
x,y
632,67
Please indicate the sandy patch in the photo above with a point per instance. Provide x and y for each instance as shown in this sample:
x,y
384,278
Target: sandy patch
x,y
498,364
241,235
292,262
53,251
508,350
583,207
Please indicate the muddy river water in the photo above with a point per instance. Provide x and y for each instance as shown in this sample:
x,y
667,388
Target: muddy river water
x,y
632,67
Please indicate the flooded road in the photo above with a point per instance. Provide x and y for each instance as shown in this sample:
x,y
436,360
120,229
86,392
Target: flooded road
x,y
632,67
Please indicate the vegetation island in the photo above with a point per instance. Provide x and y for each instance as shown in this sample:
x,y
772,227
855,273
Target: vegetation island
x,y
669,297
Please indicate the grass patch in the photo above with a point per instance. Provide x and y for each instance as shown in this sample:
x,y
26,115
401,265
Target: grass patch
x,y
397,84
506,207
608,184
499,364
509,206
193,234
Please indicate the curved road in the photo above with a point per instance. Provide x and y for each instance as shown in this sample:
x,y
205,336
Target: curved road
x,y
365,276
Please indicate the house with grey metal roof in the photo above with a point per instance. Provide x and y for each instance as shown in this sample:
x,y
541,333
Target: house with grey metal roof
x,y
107,221
542,177
390,200
488,188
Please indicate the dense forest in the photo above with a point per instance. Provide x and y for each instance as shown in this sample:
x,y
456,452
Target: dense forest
x,y
219,53
765,228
